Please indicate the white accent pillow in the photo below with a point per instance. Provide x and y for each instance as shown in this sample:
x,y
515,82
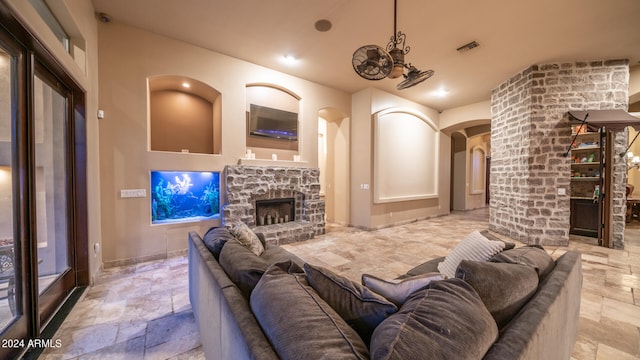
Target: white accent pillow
x,y
473,247
398,291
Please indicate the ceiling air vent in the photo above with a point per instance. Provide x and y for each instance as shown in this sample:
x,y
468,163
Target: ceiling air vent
x,y
466,47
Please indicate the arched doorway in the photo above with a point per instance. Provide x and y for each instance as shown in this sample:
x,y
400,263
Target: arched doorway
x,y
333,161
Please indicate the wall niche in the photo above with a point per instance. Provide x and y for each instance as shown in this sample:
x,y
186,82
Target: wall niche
x,y
273,118
184,115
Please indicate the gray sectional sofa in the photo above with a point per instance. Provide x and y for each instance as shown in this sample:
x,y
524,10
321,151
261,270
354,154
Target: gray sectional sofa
x,y
280,315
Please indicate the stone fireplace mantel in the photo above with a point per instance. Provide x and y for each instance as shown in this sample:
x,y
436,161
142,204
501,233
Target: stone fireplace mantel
x,y
246,184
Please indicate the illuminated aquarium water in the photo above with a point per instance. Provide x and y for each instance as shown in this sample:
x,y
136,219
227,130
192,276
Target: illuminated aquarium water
x,y
184,196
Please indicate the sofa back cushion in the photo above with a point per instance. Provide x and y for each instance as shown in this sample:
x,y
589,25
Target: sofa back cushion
x,y
504,288
360,307
242,266
445,320
215,238
533,255
297,322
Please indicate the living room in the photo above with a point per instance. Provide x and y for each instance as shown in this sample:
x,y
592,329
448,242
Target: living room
x,y
115,67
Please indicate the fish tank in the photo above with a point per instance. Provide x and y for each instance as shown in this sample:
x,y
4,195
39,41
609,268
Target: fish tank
x,y
184,196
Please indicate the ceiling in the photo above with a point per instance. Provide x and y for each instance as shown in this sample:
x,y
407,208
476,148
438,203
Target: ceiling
x,y
512,36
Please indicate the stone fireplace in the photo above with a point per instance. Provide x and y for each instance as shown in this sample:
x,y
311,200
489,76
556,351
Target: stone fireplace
x,y
283,203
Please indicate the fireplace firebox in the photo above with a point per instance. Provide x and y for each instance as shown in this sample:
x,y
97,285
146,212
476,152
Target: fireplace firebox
x,y
275,211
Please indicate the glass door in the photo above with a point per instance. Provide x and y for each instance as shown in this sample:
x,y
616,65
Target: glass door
x,y
14,317
8,280
51,148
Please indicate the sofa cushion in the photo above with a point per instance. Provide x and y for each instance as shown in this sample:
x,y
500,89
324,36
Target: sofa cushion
x,y
247,238
215,238
242,266
360,307
398,291
297,322
276,254
447,319
504,288
473,247
534,256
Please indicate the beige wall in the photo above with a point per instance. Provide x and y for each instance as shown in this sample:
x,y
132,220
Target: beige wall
x,y
128,56
364,213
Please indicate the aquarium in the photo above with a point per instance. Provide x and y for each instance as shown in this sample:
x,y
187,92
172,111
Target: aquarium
x,y
184,196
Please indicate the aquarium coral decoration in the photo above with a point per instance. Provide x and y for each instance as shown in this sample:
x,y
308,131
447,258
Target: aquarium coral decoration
x,y
184,196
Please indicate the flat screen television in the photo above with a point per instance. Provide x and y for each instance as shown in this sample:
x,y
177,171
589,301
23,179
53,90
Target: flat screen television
x,y
272,123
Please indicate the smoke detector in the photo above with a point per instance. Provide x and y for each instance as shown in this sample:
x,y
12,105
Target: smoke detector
x,y
104,17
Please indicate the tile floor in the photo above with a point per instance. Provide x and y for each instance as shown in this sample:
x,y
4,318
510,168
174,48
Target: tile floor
x,y
143,311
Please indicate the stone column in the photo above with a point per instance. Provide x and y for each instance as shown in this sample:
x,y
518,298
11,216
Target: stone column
x,y
530,132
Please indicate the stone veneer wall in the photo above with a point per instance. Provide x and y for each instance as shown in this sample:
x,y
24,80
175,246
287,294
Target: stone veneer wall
x,y
245,184
530,132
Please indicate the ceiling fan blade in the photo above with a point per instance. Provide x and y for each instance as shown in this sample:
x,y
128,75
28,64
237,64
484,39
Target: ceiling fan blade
x,y
414,77
372,62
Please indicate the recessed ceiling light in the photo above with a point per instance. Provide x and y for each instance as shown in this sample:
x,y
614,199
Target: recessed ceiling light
x,y
289,59
186,85
323,25
442,92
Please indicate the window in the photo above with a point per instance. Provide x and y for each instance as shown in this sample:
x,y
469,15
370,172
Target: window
x,y
49,18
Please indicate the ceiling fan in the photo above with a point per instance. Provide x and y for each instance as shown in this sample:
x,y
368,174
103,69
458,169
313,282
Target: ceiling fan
x,y
374,62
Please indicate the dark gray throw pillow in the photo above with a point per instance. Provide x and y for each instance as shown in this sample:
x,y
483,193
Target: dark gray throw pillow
x,y
532,255
360,307
215,238
298,322
445,320
504,288
242,266
507,244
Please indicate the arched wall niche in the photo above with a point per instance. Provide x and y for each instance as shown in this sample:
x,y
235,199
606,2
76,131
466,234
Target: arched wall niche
x,y
281,103
477,170
405,156
185,115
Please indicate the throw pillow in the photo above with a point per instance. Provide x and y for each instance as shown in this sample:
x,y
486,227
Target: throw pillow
x,y
533,255
504,288
242,266
473,247
247,238
397,292
297,322
445,320
215,238
360,307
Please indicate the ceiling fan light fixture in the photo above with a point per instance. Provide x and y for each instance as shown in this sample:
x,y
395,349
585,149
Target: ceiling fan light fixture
x,y
398,63
375,63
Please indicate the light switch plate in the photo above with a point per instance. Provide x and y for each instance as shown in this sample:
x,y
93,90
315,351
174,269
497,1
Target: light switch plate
x,y
133,193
